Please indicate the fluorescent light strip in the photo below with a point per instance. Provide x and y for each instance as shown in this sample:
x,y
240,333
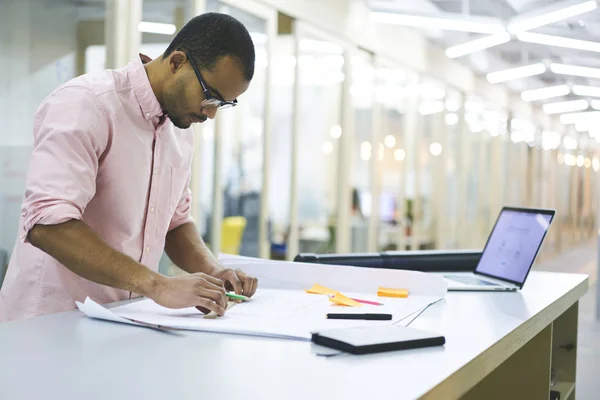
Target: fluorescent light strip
x,y
516,73
558,12
595,104
578,117
451,22
557,41
565,106
431,108
157,27
574,70
545,93
477,45
589,91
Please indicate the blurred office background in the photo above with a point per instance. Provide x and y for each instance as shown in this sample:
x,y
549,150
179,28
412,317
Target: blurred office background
x,y
367,127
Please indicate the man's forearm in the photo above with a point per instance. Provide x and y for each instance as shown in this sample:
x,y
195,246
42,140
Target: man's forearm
x,y
80,249
187,250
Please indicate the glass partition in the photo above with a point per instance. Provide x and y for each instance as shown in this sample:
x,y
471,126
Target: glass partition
x,y
321,75
282,94
362,95
428,147
241,131
393,212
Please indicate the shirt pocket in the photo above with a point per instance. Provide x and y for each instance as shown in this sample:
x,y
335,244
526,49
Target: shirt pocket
x,y
179,177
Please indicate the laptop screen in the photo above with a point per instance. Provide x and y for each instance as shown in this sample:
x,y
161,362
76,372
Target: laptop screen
x,y
513,244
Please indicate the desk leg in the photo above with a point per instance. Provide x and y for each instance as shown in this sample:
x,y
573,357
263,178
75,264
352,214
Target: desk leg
x,y
564,352
525,375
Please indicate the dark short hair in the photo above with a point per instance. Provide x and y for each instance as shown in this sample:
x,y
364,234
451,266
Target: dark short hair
x,y
208,37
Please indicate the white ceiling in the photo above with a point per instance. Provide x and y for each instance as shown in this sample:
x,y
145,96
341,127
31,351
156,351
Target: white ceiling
x,y
514,53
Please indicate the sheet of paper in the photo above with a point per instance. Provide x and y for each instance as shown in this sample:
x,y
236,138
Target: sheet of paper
x,y
95,310
293,275
288,314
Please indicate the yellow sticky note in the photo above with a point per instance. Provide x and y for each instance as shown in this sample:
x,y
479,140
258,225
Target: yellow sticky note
x,y
388,292
318,289
342,300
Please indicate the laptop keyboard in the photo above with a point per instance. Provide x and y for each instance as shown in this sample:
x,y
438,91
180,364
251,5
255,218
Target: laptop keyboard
x,y
472,281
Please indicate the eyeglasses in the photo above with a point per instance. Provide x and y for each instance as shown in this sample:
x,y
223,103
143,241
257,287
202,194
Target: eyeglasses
x,y
210,100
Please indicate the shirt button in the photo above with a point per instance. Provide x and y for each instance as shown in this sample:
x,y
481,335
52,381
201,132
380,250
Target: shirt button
x,y
148,115
147,249
151,209
155,171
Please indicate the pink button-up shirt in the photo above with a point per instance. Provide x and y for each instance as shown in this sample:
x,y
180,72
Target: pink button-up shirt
x,y
103,153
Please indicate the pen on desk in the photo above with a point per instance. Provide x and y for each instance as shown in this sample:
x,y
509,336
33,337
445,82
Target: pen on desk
x,y
237,296
373,303
372,317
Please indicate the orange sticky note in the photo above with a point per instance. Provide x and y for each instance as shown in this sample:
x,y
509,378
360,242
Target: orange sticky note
x,y
388,292
342,300
318,289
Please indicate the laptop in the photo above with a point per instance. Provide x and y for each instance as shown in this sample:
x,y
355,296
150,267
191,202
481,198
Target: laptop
x,y
509,253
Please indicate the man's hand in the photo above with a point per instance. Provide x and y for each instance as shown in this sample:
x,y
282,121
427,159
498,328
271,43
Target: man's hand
x,y
199,290
237,281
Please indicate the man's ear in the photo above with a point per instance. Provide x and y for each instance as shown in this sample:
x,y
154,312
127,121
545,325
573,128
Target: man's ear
x,y
176,60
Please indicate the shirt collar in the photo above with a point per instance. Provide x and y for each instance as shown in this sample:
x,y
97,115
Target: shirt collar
x,y
141,86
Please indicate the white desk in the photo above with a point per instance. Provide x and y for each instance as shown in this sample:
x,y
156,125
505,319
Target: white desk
x,y
498,346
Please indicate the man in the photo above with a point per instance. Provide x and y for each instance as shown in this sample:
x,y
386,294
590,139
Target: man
x,y
107,186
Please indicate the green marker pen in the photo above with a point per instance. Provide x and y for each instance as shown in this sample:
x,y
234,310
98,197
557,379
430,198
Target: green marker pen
x,y
237,297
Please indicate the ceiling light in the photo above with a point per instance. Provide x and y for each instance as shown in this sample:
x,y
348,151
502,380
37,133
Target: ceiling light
x,y
550,140
477,45
399,154
516,136
365,155
445,21
521,125
431,91
321,46
565,106
574,70
573,118
589,91
554,13
587,163
336,131
582,126
516,73
596,164
570,160
545,93
435,149
157,27
558,41
389,141
431,108
569,143
451,119
580,160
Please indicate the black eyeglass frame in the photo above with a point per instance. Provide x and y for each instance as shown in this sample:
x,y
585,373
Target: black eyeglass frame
x,y
210,100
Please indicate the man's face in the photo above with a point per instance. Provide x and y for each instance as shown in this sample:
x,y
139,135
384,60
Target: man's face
x,y
183,94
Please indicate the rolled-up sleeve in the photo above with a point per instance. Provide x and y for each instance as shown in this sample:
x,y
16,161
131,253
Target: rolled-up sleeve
x,y
183,212
70,134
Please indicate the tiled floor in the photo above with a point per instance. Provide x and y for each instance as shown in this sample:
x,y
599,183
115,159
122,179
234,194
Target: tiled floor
x,y
583,259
